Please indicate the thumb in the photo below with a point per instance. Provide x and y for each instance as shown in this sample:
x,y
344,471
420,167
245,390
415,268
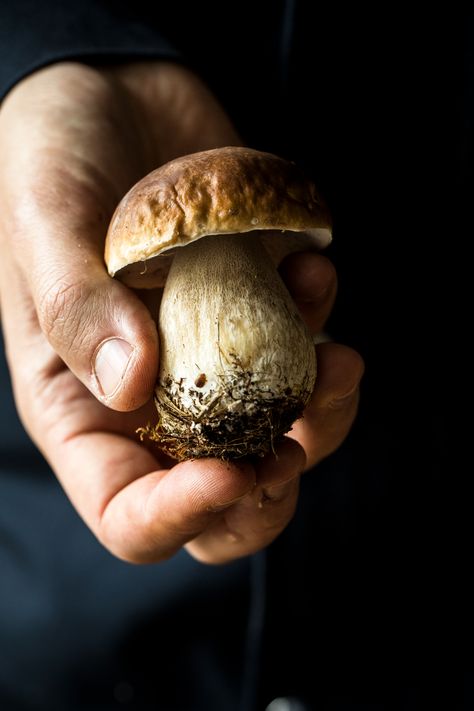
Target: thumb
x,y
99,328
68,152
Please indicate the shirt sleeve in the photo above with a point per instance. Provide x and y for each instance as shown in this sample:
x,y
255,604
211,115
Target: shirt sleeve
x,y
34,34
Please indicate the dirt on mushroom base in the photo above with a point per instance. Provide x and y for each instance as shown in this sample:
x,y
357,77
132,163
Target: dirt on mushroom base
x,y
241,417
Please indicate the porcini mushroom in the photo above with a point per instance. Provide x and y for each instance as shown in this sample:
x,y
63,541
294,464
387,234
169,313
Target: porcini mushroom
x,y
237,363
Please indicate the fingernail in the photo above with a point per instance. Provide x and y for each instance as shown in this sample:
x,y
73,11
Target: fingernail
x,y
110,364
317,296
343,400
278,492
321,337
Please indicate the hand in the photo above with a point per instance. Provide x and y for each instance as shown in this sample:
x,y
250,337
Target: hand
x,y
72,140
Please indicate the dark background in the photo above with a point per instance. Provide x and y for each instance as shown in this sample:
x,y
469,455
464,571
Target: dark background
x,y
365,602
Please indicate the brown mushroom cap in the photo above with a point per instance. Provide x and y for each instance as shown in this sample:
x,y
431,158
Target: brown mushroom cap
x,y
221,191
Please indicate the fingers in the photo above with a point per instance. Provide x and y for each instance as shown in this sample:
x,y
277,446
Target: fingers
x,y
259,517
140,512
263,514
143,514
312,282
333,407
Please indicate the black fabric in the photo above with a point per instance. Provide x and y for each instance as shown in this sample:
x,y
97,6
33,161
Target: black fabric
x,y
33,35
367,594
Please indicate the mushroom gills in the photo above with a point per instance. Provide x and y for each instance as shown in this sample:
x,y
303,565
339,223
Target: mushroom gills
x,y
237,363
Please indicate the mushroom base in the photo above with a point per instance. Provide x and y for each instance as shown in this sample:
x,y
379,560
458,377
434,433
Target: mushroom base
x,y
224,427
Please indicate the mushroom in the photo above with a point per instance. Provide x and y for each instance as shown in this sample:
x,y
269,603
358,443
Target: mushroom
x,y
237,363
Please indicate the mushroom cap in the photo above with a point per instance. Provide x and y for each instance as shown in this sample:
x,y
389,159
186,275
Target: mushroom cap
x,y
220,191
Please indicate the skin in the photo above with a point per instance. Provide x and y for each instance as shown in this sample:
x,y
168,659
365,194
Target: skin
x,y
73,139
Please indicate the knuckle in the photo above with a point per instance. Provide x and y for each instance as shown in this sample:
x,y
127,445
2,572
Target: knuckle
x,y
109,536
63,312
118,546
120,551
277,508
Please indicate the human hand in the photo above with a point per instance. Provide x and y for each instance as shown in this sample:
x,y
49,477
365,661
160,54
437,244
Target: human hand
x,y
72,141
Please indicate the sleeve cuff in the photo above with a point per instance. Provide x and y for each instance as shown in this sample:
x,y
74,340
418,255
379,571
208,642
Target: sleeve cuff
x,y
34,35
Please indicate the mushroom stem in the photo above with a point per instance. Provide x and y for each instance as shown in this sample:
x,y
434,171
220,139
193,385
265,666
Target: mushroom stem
x,y
237,364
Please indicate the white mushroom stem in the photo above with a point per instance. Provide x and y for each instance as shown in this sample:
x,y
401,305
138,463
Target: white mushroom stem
x,y
237,364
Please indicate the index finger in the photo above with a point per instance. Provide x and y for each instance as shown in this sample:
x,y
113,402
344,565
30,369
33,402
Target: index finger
x,y
139,511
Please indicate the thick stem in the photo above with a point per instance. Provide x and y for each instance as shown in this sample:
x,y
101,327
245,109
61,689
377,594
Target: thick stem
x,y
237,364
